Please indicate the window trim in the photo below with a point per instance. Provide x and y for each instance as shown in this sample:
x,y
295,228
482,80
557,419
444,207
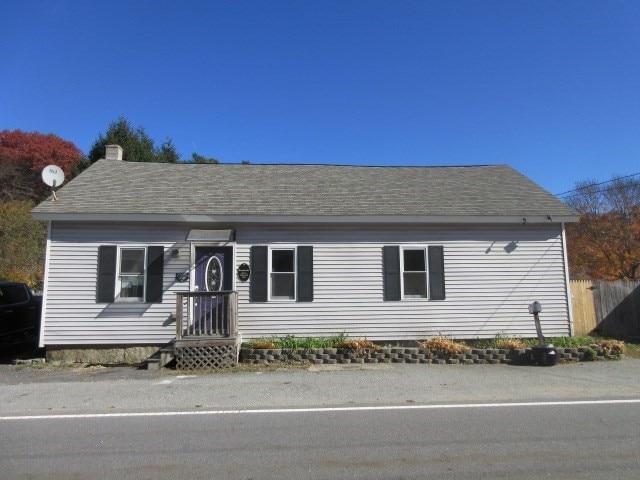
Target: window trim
x,y
118,284
393,272
424,249
270,250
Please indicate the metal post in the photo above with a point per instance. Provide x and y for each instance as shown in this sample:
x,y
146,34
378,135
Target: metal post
x,y
179,316
536,319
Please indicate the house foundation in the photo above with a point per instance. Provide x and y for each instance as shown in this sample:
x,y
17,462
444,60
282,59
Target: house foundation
x,y
103,355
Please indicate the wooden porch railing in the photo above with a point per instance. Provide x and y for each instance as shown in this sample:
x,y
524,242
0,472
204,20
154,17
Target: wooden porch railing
x,y
206,314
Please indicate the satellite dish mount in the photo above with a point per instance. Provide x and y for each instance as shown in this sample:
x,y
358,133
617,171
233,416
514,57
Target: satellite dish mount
x,y
54,177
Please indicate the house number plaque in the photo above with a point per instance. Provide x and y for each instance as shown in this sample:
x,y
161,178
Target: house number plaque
x,y
243,272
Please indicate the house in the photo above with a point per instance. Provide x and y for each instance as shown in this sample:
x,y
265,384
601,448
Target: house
x,y
245,251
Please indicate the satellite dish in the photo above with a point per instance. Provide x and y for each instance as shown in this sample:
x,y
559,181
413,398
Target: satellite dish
x,y
53,176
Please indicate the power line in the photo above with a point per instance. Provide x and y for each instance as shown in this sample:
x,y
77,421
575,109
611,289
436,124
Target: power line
x,y
595,185
600,190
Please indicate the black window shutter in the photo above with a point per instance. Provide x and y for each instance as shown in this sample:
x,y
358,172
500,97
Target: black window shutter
x,y
105,291
305,274
436,273
391,272
155,270
259,274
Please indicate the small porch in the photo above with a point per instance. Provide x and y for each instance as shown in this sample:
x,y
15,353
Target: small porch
x,y
206,329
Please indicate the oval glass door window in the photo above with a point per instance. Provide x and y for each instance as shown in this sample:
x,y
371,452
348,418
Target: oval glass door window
x,y
213,274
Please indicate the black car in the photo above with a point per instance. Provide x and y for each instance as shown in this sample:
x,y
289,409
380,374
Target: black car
x,y
20,312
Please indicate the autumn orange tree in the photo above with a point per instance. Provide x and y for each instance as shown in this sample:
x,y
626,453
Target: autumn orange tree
x,y
23,155
605,243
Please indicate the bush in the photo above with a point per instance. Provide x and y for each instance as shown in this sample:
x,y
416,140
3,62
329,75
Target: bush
x,y
307,343
291,342
441,345
357,345
261,343
509,343
610,347
571,342
590,355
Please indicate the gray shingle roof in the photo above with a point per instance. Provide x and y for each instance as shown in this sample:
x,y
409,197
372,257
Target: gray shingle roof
x,y
118,187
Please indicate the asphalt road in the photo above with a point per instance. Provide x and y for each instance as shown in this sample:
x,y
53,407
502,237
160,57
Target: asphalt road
x,y
399,422
525,442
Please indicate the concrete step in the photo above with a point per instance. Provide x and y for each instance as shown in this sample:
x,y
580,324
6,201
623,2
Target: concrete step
x,y
161,358
152,364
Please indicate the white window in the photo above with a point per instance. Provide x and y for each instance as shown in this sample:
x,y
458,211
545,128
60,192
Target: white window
x,y
131,274
414,273
282,273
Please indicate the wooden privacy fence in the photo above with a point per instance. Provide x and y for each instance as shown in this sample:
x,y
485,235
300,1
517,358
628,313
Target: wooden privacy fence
x,y
607,308
584,308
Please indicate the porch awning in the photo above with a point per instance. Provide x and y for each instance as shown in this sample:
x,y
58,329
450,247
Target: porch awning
x,y
214,235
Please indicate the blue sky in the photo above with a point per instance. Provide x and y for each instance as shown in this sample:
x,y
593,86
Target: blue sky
x,y
549,87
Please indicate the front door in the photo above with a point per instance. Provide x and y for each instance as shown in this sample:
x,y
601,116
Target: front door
x,y
213,269
213,273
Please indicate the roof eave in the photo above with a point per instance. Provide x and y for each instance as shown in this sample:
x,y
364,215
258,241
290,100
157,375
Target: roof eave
x,y
370,219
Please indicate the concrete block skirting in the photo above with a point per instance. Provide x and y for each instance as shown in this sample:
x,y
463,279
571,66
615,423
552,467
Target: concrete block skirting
x,y
479,356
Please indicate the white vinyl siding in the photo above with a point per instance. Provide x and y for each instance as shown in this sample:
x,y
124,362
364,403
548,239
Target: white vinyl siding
x,y
489,284
71,314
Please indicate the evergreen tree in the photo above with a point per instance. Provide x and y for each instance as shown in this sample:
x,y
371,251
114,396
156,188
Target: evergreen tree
x,y
136,144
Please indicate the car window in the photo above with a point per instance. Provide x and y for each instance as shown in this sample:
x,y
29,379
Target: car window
x,y
4,298
13,294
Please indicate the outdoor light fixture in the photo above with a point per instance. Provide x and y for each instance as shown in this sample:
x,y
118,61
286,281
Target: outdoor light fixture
x,y
175,253
543,354
535,307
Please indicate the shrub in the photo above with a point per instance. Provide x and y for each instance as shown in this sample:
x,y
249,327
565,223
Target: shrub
x,y
357,345
443,345
261,343
291,342
306,343
610,347
509,343
590,355
571,342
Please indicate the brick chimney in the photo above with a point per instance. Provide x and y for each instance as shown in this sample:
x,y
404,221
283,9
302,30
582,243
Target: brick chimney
x,y
113,152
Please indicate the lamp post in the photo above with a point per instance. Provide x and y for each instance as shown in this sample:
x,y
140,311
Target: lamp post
x,y
535,308
543,354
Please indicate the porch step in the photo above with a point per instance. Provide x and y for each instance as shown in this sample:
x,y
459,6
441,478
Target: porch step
x,y
161,358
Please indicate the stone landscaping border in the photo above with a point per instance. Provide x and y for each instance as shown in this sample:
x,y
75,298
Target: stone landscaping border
x,y
492,356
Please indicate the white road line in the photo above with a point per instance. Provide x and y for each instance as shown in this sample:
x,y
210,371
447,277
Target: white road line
x,y
318,409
